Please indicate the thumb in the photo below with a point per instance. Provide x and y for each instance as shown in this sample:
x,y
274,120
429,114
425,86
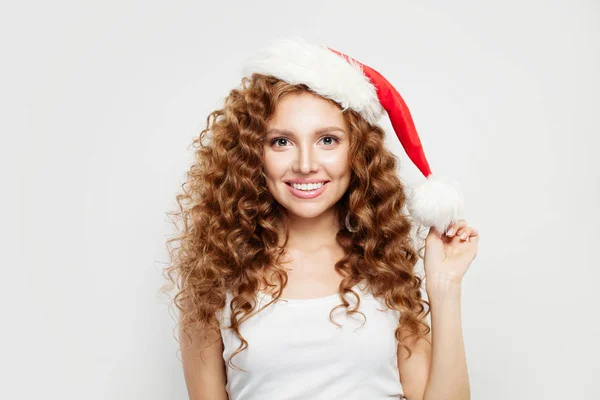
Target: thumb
x,y
434,233
434,241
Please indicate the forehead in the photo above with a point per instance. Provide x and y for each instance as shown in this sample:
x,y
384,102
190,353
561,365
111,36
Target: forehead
x,y
304,110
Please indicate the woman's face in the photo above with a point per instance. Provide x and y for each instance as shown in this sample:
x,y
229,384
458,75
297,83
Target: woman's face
x,y
307,139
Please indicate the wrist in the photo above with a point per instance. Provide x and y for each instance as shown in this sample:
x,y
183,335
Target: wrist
x,y
443,285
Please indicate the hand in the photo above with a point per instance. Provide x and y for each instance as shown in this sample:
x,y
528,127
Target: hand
x,y
449,255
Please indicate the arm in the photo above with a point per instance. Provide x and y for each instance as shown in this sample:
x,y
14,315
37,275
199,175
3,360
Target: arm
x,y
205,377
414,372
438,372
448,377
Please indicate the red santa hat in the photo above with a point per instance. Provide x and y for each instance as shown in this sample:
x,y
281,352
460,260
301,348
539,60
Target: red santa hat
x,y
356,86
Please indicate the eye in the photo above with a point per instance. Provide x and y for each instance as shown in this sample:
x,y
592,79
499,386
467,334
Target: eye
x,y
335,140
282,141
278,140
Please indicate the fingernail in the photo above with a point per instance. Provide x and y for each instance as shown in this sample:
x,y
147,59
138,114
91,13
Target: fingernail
x,y
463,236
450,232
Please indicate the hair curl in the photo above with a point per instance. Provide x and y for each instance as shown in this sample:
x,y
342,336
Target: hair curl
x,y
229,236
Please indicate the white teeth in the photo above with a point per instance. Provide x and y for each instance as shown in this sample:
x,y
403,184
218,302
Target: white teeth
x,y
307,187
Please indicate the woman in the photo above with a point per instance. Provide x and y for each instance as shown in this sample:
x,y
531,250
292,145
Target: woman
x,y
296,256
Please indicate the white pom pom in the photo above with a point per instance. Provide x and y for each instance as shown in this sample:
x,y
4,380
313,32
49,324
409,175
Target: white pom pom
x,y
436,203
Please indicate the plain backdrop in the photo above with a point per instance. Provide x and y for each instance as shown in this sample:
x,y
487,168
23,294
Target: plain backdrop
x,y
101,101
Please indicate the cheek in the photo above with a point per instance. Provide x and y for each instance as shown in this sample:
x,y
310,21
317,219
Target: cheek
x,y
273,165
337,164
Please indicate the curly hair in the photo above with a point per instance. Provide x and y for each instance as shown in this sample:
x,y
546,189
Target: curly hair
x,y
228,238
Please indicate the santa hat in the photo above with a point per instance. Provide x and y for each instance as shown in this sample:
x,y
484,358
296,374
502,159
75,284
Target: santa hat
x,y
355,86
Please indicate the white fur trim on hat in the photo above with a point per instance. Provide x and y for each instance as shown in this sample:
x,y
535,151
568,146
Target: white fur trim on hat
x,y
436,202
324,72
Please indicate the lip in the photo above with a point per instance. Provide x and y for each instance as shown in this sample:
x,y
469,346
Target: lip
x,y
307,194
311,180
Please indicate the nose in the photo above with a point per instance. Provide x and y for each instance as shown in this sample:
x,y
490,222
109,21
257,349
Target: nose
x,y
305,161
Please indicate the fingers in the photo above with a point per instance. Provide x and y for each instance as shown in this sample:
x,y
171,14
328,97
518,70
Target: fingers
x,y
455,226
466,233
461,230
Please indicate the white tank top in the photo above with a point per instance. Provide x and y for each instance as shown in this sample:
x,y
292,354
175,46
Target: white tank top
x,y
295,351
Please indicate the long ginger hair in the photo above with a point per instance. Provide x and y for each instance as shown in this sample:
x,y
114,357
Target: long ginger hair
x,y
229,222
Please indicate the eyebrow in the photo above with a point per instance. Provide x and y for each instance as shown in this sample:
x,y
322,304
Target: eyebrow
x,y
317,132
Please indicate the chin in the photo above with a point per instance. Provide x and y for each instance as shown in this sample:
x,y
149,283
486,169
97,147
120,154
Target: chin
x,y
304,213
307,210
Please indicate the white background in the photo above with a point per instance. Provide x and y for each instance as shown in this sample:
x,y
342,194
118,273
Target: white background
x,y
100,101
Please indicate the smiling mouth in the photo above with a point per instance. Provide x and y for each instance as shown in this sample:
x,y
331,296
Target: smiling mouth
x,y
324,182
307,193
